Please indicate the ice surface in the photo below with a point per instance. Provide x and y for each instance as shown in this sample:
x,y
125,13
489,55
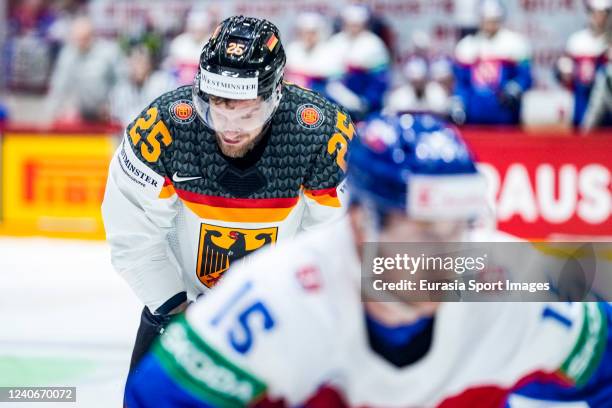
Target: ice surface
x,y
66,319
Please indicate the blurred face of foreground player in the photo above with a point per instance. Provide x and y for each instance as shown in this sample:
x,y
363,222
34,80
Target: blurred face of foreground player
x,y
397,227
403,174
238,88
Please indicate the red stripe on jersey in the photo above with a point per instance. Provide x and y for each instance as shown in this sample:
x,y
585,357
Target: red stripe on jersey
x,y
224,202
326,191
596,59
506,62
489,396
494,396
325,397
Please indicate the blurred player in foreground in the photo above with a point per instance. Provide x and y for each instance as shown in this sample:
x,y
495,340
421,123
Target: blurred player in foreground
x,y
293,329
212,172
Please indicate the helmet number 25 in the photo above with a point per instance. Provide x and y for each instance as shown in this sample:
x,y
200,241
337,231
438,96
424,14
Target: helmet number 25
x,y
234,48
340,140
151,148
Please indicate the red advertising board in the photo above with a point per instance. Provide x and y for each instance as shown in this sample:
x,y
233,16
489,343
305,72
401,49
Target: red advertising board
x,y
546,186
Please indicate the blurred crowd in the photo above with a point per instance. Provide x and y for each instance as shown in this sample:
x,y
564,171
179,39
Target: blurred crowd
x,y
54,48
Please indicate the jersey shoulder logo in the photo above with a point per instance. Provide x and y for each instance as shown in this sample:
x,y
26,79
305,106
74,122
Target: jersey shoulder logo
x,y
182,111
310,116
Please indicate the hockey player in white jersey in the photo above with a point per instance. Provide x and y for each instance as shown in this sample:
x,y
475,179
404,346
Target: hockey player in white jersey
x,y
212,172
291,327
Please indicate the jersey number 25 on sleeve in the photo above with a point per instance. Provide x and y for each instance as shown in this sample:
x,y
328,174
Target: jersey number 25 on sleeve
x,y
338,142
151,149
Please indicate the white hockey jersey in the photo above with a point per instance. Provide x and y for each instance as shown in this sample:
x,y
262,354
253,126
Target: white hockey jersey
x,y
587,50
288,325
435,99
488,56
366,51
177,213
307,65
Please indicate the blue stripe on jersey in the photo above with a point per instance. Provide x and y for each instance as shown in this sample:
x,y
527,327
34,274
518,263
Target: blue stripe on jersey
x,y
398,335
149,386
400,345
597,392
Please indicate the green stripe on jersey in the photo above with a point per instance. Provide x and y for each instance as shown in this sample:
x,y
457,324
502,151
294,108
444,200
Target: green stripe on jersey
x,y
203,371
591,343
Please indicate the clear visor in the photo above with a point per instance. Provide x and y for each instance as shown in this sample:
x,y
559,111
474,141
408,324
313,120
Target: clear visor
x,y
225,115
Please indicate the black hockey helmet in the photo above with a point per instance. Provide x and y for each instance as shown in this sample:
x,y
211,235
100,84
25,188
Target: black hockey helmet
x,y
243,60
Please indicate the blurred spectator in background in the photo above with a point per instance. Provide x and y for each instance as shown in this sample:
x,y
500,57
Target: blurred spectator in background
x,y
441,69
28,50
599,109
31,15
64,12
184,51
419,94
309,60
142,33
421,45
493,70
564,72
587,49
376,24
3,114
466,17
141,85
86,70
365,65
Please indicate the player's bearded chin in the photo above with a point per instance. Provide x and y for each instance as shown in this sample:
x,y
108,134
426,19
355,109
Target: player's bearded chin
x,y
247,141
238,125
